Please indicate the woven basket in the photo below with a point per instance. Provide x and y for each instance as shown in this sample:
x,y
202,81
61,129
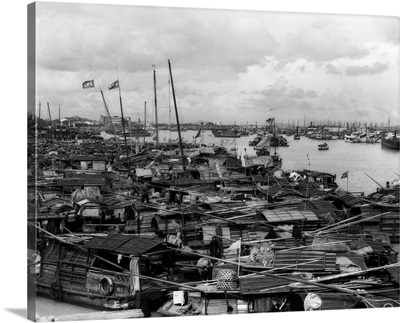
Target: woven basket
x,y
226,284
227,275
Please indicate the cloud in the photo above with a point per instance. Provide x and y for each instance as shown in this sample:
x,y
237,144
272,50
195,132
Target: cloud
x,y
331,69
141,36
311,94
296,93
365,69
322,42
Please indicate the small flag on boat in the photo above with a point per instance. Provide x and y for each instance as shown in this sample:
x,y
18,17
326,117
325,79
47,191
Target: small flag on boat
x,y
345,175
88,84
198,134
114,85
270,120
235,245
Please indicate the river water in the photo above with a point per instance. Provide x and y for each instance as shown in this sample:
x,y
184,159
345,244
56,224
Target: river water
x,y
358,159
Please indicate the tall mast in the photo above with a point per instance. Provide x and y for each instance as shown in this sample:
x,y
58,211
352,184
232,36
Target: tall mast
x,y
48,108
130,133
108,112
59,114
177,117
40,108
122,118
109,117
169,108
155,102
144,124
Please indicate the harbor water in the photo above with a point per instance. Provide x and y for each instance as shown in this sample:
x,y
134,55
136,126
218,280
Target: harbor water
x,y
364,162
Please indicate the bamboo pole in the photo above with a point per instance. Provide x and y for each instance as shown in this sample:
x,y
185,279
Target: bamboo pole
x,y
282,268
375,181
335,224
318,245
355,222
357,273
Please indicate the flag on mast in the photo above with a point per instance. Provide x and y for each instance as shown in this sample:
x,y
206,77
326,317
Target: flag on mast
x,y
114,85
345,175
88,84
235,245
198,134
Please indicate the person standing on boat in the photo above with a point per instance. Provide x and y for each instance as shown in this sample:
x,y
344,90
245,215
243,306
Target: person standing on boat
x,y
297,236
215,249
154,224
170,171
145,193
130,213
139,221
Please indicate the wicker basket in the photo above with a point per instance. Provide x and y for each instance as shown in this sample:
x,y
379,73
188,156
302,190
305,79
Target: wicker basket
x,y
226,284
227,275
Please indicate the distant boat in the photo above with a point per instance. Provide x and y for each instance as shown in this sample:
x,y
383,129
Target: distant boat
x,y
390,141
136,133
226,133
350,138
255,141
323,146
297,134
176,129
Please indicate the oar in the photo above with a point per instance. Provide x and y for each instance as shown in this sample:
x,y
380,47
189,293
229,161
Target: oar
x,y
375,181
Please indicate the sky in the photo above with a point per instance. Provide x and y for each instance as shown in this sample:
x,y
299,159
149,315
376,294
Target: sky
x,y
229,66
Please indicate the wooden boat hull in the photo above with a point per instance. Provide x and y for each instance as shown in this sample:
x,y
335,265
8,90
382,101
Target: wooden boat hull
x,y
226,133
99,301
390,144
92,300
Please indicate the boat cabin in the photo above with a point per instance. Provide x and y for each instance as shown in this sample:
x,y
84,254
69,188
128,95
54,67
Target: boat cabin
x,y
105,271
92,162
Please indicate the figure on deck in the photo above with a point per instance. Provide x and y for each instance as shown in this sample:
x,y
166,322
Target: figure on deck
x,y
215,249
145,193
297,234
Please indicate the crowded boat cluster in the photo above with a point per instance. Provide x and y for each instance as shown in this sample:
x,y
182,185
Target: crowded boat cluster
x,y
192,230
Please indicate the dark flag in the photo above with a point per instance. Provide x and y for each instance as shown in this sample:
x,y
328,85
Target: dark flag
x,y
114,85
270,120
345,175
88,84
199,132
